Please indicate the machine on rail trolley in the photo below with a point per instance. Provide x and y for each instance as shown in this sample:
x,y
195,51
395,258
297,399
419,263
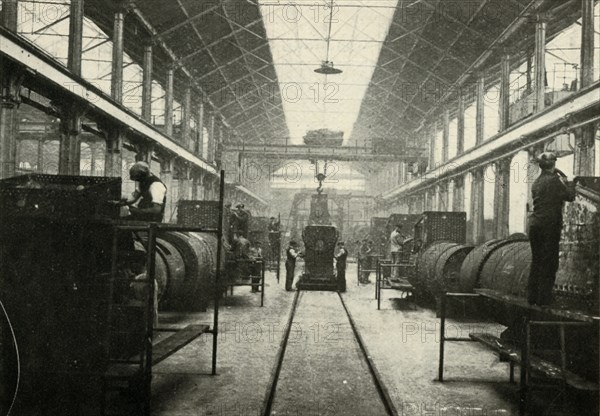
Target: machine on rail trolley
x,y
320,238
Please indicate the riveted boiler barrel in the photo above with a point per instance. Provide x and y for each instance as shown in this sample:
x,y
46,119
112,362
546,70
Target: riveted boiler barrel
x,y
438,267
469,271
193,291
506,269
175,271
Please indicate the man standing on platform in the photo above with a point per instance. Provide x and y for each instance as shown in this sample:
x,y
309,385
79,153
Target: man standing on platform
x,y
396,244
290,264
549,191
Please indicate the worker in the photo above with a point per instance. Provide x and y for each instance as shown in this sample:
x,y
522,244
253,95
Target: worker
x,y
274,238
256,269
227,230
150,195
241,255
240,220
396,245
290,263
340,265
549,191
365,261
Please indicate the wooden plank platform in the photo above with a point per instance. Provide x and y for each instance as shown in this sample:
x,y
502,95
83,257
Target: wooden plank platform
x,y
513,353
397,284
244,282
575,315
177,341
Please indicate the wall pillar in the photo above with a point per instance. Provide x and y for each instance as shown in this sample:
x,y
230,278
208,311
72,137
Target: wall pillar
x,y
116,84
480,107
200,135
584,137
75,37
502,198
194,195
450,195
219,147
477,204
169,102
93,150
113,154
587,42
186,139
460,121
540,63
211,139
147,84
446,135
69,151
458,198
9,14
430,133
11,78
504,104
183,178
40,155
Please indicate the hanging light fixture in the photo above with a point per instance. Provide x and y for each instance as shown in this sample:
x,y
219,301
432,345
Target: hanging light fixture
x,y
327,66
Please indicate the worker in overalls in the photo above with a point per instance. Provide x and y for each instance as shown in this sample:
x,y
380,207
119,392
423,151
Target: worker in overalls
x,y
291,254
549,191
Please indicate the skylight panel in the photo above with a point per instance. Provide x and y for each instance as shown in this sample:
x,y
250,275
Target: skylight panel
x,y
297,32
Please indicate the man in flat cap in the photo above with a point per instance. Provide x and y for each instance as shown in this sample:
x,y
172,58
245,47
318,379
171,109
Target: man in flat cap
x,y
240,220
150,194
549,191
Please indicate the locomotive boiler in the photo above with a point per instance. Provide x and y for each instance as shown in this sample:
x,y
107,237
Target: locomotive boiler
x,y
319,242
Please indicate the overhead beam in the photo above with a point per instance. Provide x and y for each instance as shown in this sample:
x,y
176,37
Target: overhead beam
x,y
347,153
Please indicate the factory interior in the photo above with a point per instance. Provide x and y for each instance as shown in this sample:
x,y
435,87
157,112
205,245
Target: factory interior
x,y
300,207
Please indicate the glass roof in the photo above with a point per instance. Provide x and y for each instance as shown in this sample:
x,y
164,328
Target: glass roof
x,y
298,31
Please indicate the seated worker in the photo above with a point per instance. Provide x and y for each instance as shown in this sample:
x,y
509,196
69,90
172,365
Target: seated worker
x,y
340,265
150,195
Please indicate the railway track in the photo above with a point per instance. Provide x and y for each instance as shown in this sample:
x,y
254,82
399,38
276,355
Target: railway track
x,y
354,348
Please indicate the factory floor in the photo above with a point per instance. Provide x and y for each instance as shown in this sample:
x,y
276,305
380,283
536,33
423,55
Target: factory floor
x,y
402,342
